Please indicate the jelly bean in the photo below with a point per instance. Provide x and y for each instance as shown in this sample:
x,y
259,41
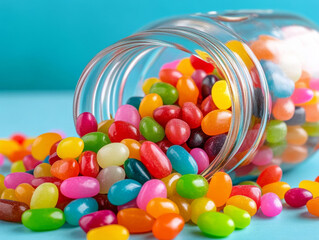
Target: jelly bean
x,y
279,188
53,157
14,179
134,148
312,129
314,99
197,138
198,63
270,204
45,196
44,219
312,112
2,186
88,164
298,118
192,115
18,137
314,84
164,145
24,193
185,67
216,122
30,162
9,194
182,162
151,189
97,219
183,206
42,170
94,141
148,83
200,206
42,145
38,181
1,159
170,183
302,95
188,91
313,206
123,191
18,155
297,197
130,204
198,77
155,160
157,207
135,220
134,101
207,105
220,187
79,208
165,113
244,203
120,130
167,92
214,144
11,211
311,186
151,130
170,76
104,203
112,154
240,217
80,187
17,167
276,131
85,123
201,158
207,84
283,109
112,231
216,224
149,103
70,147
240,51
66,168
170,65
278,148
104,126
192,186
262,49
168,226
221,95
263,156
250,191
269,175
135,170
177,131
129,114
291,66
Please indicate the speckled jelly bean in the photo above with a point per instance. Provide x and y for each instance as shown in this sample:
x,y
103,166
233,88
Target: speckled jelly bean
x,y
158,206
168,93
216,224
134,101
135,169
192,115
42,170
279,188
269,175
311,186
123,191
108,176
201,158
70,147
216,122
11,211
80,187
177,131
129,114
43,143
220,187
188,91
313,206
270,205
79,208
192,186
151,130
168,226
240,217
183,205
297,197
97,219
200,206
113,231
94,141
120,130
214,144
88,164
151,189
112,154
165,113
30,162
66,168
170,76
85,123
250,191
276,131
45,196
12,180
244,203
24,193
149,103
148,83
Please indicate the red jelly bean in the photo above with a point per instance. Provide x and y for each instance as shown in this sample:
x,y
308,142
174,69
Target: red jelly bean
x,y
177,131
120,130
53,154
66,168
104,203
317,179
165,113
250,191
88,164
30,162
11,211
164,145
155,160
18,137
97,219
297,197
38,181
198,63
192,115
86,123
207,105
270,174
170,76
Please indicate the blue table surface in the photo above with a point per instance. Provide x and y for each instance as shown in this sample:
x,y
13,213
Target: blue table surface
x,y
36,112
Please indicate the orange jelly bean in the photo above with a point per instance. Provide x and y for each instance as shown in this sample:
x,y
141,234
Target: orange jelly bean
x,y
279,188
42,145
296,135
312,112
160,206
244,203
134,148
9,194
24,193
187,90
184,206
18,155
219,189
313,206
185,67
294,154
216,122
168,226
149,103
135,220
66,168
283,109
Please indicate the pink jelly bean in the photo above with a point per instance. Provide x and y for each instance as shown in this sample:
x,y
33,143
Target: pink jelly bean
x,y
86,123
130,204
198,77
171,65
314,84
301,95
297,197
263,156
80,187
151,189
128,113
270,205
201,158
97,219
1,160
14,179
58,131
30,162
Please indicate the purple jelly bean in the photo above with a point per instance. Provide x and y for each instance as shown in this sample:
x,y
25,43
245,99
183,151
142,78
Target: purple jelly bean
x,y
270,204
80,187
301,95
86,123
128,113
30,162
97,219
214,144
297,197
201,158
198,77
130,204
14,179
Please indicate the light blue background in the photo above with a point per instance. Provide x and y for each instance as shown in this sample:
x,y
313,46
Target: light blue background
x,y
45,44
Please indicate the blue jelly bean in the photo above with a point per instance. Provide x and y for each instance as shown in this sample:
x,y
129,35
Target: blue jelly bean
x,y
30,171
123,191
134,101
136,170
46,160
298,118
78,208
182,162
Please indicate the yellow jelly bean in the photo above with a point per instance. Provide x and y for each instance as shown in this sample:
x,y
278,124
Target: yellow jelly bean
x,y
314,99
113,231
42,170
311,186
220,95
113,154
18,166
149,103
201,205
238,48
7,147
104,126
183,205
170,183
279,188
9,194
45,196
244,203
70,147
185,67
2,187
42,145
24,193
28,143
148,83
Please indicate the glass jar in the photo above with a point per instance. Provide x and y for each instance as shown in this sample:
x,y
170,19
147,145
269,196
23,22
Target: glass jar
x,y
269,60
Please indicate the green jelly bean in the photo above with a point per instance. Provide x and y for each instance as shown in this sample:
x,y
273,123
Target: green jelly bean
x,y
240,217
312,128
276,131
278,148
215,224
249,183
192,186
43,219
151,130
94,141
135,169
168,93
